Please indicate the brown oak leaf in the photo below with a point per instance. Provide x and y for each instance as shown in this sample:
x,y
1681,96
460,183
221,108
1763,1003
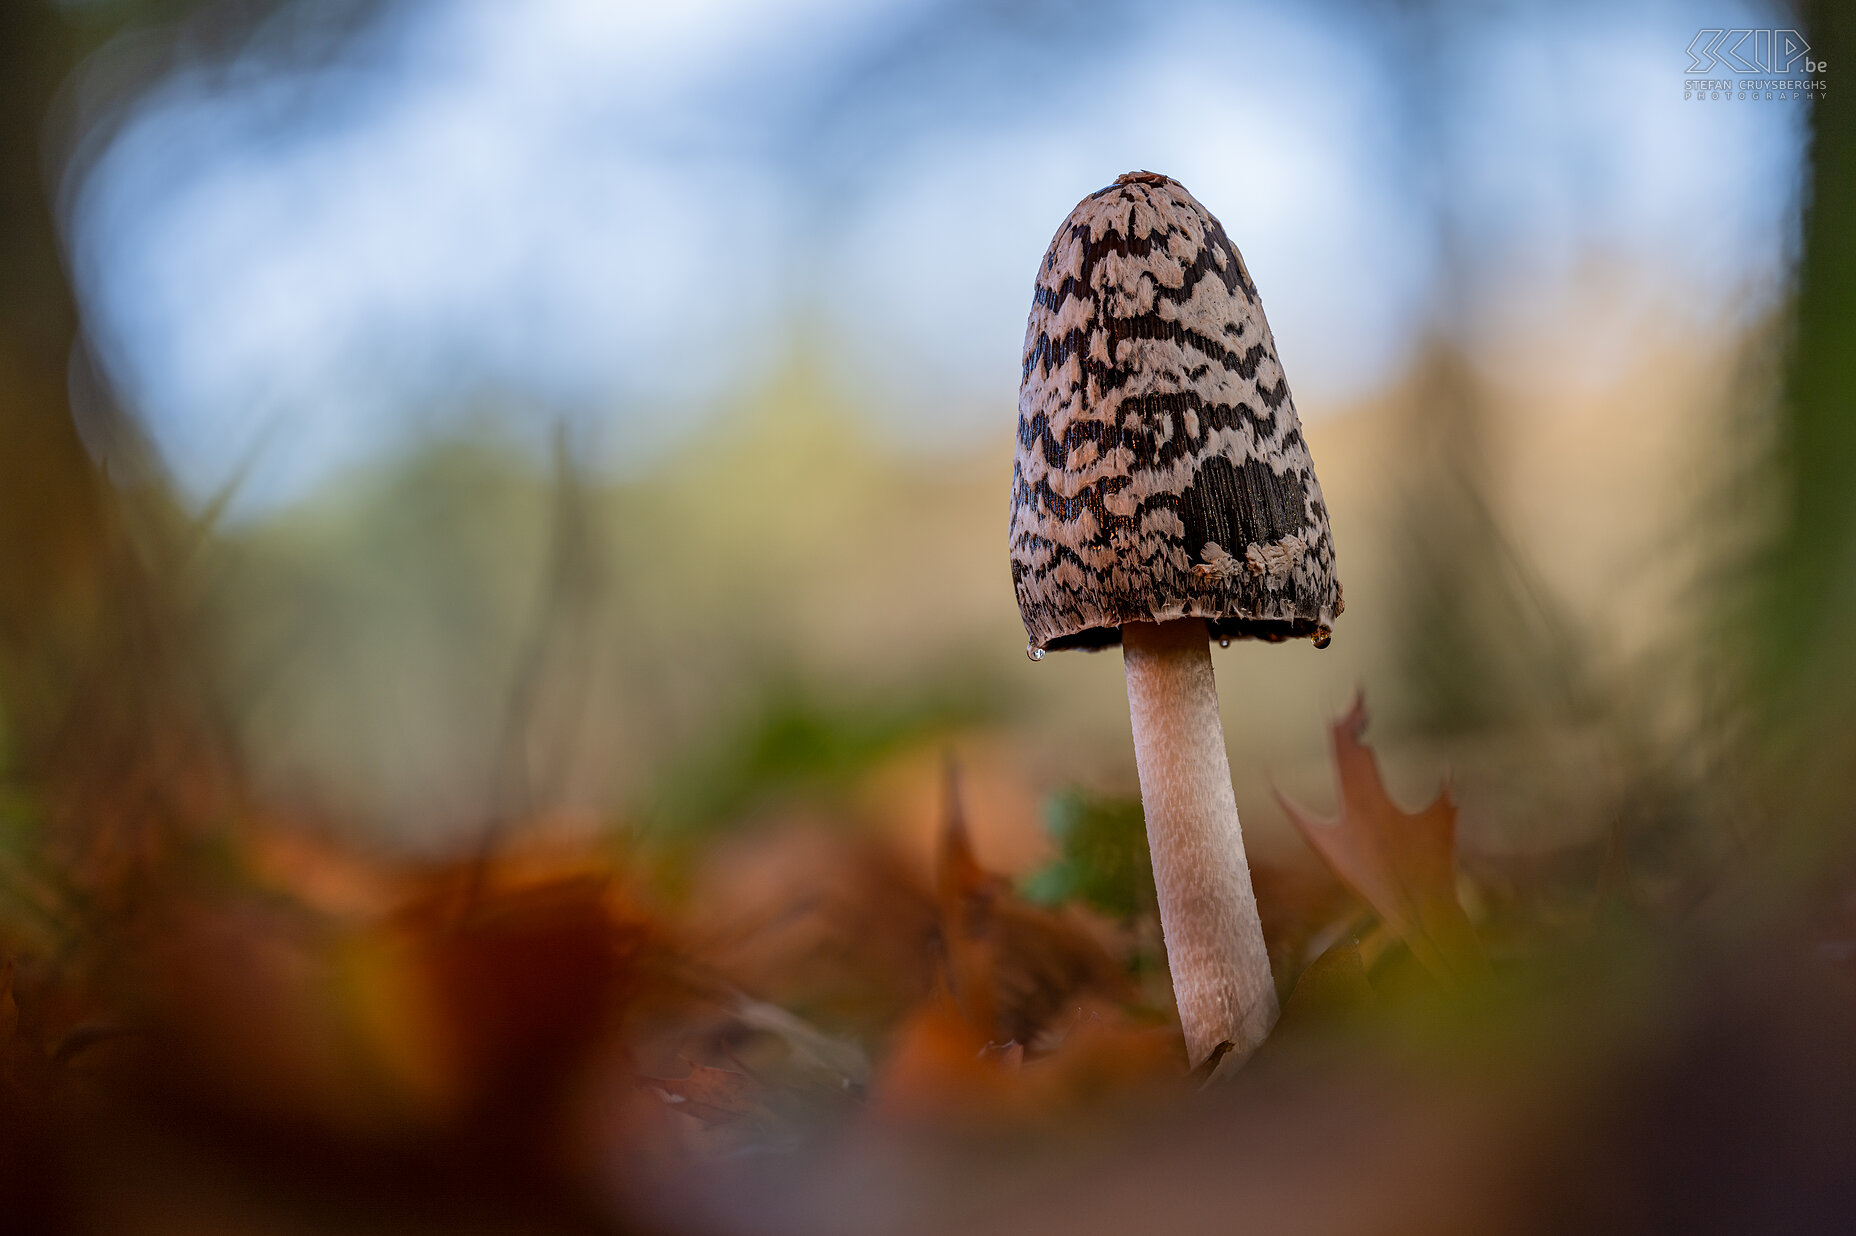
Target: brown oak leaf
x,y
1401,864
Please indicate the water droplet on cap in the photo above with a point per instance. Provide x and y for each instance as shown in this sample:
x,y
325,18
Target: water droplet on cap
x,y
1224,641
1323,638
1034,652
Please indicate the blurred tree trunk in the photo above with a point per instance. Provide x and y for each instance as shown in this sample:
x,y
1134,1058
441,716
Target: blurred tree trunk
x,y
50,518
1806,615
1483,645
101,727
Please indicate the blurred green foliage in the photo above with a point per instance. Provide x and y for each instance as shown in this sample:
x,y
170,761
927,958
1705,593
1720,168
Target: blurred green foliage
x,y
1812,573
1102,855
796,740
1804,606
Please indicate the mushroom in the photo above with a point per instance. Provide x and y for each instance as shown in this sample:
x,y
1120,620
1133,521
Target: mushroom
x,y
1162,495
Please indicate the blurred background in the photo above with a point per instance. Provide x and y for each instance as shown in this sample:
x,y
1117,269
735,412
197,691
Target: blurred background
x,y
435,429
573,396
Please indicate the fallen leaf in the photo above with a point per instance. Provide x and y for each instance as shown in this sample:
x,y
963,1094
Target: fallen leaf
x,y
1011,967
1100,1057
937,1067
523,981
824,922
839,1060
711,1095
9,1009
1402,864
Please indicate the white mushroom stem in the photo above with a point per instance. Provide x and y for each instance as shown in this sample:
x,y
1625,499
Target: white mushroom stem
x,y
1208,912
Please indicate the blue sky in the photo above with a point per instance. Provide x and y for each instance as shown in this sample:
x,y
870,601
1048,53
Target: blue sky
x,y
617,213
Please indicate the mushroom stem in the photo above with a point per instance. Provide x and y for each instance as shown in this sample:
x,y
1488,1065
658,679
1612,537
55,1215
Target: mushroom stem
x,y
1208,913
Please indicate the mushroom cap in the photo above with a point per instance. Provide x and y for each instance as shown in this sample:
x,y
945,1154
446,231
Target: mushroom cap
x,y
1161,471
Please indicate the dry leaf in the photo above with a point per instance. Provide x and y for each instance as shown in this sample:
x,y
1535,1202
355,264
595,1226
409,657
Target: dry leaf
x,y
1402,864
937,1066
9,1008
1011,967
713,1096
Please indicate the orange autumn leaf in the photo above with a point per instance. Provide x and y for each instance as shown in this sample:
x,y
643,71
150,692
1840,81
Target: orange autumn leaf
x,y
1010,967
1024,1021
940,1071
939,1066
1402,864
966,894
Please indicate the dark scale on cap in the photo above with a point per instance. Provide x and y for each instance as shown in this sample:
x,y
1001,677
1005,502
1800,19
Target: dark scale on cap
x,y
1161,470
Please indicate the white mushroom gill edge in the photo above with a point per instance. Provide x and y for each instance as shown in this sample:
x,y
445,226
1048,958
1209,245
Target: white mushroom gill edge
x,y
1208,911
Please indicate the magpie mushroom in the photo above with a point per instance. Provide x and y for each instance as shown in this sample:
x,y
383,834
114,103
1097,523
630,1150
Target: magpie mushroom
x,y
1162,495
